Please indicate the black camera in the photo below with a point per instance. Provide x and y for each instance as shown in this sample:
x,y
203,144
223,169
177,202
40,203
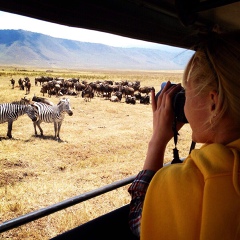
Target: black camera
x,y
178,103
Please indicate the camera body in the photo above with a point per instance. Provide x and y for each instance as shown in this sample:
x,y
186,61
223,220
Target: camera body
x,y
178,103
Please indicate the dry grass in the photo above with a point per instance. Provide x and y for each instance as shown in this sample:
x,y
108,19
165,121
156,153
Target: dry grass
x,y
101,143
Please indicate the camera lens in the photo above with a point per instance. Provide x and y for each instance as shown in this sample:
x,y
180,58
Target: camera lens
x,y
178,106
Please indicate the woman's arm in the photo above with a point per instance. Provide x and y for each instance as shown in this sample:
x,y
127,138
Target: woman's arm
x,y
162,133
138,191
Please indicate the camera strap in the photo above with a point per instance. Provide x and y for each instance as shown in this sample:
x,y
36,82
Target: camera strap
x,y
176,158
192,146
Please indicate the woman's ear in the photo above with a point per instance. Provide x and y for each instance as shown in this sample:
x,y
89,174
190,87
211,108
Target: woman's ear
x,y
214,100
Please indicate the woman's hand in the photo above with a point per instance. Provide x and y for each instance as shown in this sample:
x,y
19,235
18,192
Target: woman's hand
x,y
163,117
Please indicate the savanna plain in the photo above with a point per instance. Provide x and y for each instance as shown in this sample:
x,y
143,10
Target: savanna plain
x,y
102,142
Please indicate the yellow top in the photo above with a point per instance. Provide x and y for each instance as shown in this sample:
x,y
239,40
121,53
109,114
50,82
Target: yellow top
x,y
198,199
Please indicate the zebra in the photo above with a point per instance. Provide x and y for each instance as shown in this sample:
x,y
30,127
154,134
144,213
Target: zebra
x,y
9,112
49,114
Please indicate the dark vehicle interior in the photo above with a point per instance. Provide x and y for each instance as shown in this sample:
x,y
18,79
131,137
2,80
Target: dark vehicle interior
x,y
172,22
178,23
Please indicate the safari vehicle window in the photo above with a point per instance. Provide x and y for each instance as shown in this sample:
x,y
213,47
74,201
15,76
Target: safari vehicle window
x,y
85,138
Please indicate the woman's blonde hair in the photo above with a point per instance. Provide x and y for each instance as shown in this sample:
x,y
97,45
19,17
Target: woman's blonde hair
x,y
216,66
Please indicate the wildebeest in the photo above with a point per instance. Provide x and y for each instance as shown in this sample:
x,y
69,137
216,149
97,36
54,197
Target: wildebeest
x,y
145,99
128,91
138,95
145,89
42,99
135,85
12,83
20,83
42,79
9,112
116,97
52,87
107,90
87,93
130,100
104,89
27,85
45,89
55,114
79,87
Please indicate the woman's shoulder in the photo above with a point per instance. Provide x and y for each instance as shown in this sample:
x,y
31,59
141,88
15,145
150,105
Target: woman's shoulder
x,y
179,172
216,159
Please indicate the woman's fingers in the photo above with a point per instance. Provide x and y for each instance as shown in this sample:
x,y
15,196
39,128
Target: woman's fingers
x,y
157,101
169,95
154,102
164,90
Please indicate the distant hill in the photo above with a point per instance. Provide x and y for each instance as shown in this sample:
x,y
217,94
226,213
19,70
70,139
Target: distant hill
x,y
24,48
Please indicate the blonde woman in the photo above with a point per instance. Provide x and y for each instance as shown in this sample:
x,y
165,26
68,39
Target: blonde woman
x,y
199,198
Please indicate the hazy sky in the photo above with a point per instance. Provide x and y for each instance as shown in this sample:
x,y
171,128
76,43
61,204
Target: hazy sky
x,y
13,21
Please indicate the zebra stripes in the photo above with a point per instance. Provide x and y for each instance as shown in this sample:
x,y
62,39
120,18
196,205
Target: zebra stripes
x,y
49,114
9,112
